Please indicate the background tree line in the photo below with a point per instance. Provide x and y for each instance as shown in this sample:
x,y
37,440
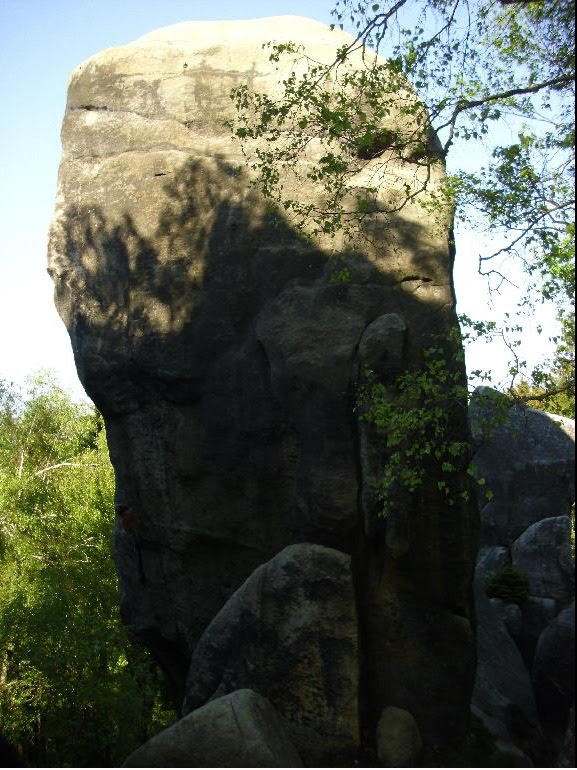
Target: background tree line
x,y
74,690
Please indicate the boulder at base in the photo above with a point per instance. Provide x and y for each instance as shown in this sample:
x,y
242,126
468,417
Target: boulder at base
x,y
398,739
527,459
290,633
241,729
524,686
554,668
503,696
543,554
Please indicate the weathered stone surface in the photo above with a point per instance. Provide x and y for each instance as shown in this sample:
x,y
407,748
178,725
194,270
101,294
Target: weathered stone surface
x,y
567,753
240,729
398,738
537,614
421,649
225,360
382,346
528,460
503,696
503,684
507,753
510,615
554,668
543,554
290,633
490,561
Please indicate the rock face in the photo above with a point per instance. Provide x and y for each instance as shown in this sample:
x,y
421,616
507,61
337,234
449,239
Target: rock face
x,y
543,554
225,358
567,753
554,668
528,459
240,729
524,686
398,739
503,697
291,633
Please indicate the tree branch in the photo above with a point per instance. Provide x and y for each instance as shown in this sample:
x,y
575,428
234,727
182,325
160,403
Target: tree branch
x,y
547,393
61,465
530,226
469,104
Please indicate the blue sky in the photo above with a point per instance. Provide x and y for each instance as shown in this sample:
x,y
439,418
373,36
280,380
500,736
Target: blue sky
x,y
41,42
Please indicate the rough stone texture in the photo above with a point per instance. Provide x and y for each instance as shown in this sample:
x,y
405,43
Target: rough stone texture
x,y
528,460
543,554
241,729
537,614
503,685
510,615
506,753
382,346
290,633
490,561
398,739
503,696
225,360
526,457
554,668
567,753
421,648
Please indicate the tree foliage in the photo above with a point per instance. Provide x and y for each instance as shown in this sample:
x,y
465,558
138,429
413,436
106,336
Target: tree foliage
x,y
74,691
415,419
495,83
510,585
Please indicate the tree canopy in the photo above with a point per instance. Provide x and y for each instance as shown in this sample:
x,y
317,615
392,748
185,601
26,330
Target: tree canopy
x,y
74,690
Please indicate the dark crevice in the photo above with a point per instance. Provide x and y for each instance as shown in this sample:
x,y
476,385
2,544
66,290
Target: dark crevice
x,y
422,278
91,108
359,569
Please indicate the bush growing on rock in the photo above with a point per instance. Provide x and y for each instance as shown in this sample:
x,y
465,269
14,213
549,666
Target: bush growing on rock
x,y
510,585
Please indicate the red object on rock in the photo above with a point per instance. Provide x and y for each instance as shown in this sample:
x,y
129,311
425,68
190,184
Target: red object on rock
x,y
127,516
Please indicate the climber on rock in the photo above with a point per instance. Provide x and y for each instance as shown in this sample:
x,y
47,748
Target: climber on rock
x,y
127,516
128,521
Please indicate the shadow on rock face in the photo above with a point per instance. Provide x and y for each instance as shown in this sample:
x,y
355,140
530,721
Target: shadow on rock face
x,y
222,348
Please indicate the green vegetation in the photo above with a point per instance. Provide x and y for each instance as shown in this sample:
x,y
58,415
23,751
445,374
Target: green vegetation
x,y
509,584
74,691
497,76
415,418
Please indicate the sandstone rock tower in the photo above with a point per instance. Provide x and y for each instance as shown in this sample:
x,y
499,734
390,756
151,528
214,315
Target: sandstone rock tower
x,y
225,361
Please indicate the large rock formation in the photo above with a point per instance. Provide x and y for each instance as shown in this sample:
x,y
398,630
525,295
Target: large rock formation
x,y
241,729
526,643
225,359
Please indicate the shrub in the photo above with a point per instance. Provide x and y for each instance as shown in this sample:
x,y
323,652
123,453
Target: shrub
x,y
509,584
